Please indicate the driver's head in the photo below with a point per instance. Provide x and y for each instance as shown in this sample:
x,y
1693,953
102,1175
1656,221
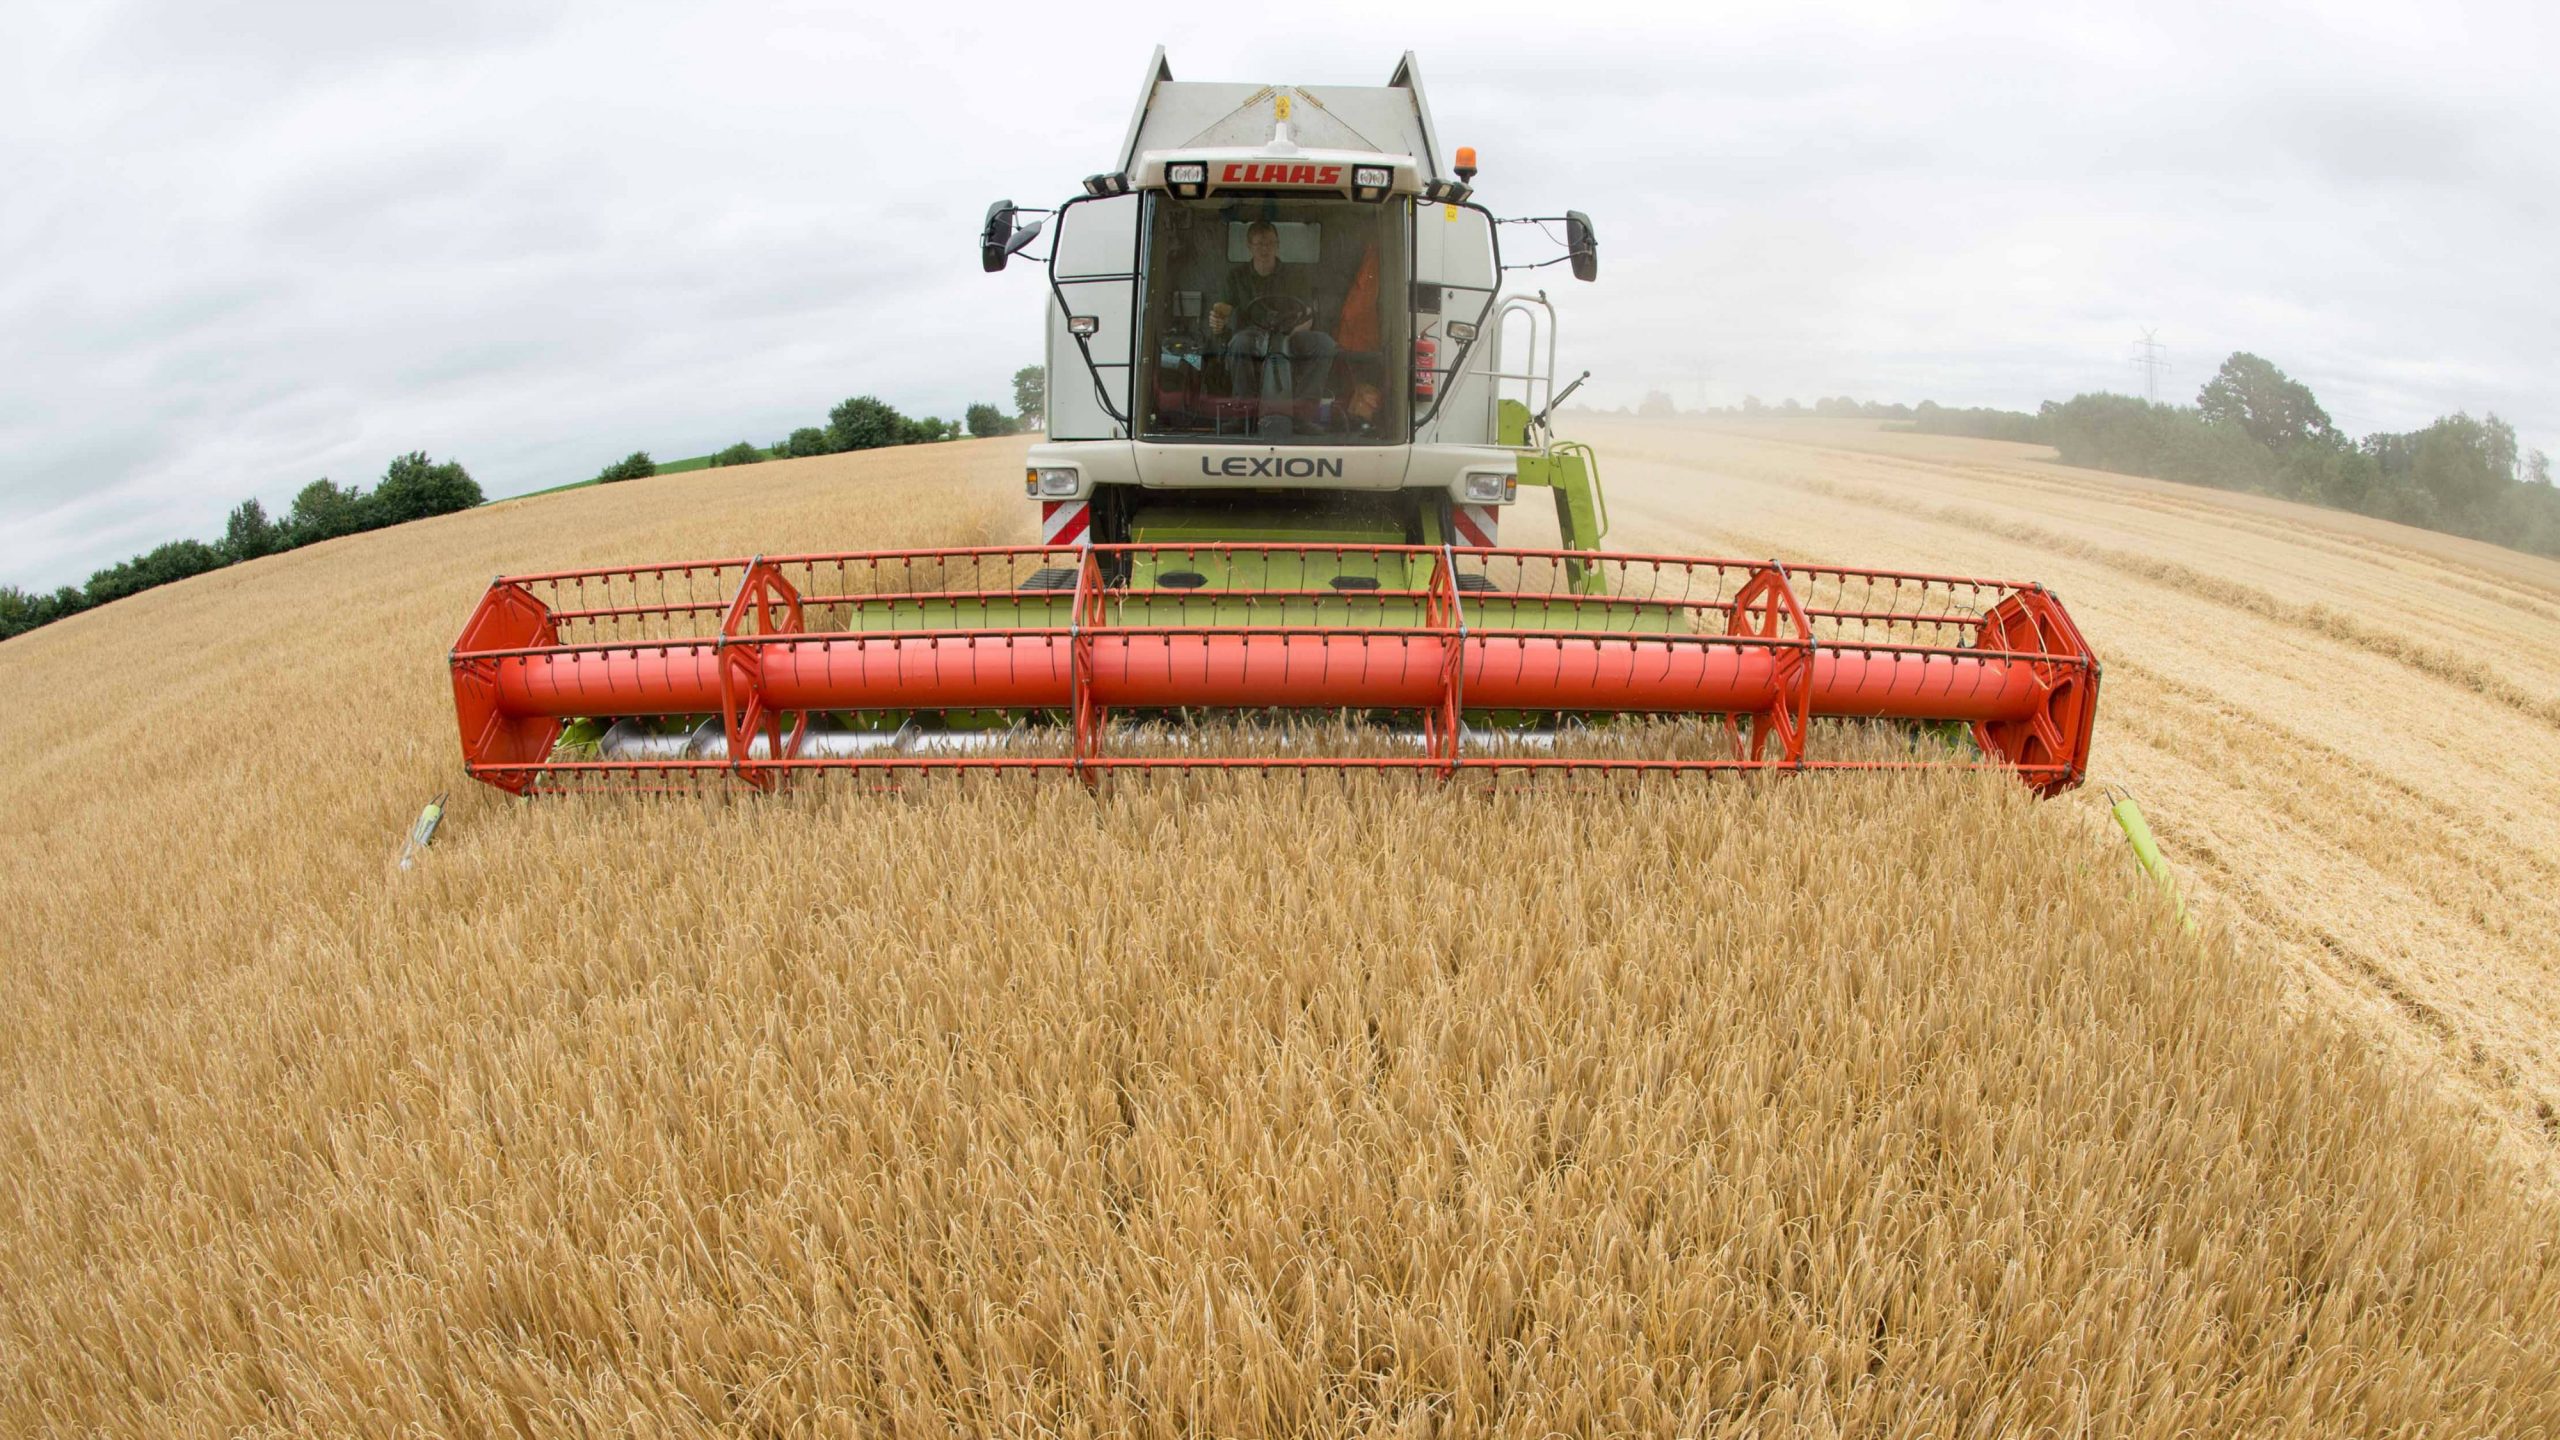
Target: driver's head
x,y
1262,241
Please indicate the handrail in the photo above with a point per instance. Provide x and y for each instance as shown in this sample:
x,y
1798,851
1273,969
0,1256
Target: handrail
x,y
1535,380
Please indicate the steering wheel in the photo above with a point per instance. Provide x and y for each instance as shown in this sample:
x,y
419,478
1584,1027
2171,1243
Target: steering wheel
x,y
1276,314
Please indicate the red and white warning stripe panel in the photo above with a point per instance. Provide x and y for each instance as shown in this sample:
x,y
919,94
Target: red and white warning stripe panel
x,y
1066,522
1477,525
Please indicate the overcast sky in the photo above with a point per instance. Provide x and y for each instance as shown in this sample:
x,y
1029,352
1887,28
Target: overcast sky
x,y
244,245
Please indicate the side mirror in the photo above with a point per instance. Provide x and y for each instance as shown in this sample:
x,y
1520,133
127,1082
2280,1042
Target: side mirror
x,y
999,241
1582,245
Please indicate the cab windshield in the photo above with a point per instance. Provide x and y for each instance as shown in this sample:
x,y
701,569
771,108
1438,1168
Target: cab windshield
x,y
1275,320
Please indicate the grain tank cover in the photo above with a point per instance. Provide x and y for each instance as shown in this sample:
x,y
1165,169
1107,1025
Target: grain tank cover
x,y
1188,115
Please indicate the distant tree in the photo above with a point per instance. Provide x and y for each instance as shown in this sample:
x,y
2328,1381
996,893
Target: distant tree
x,y
325,511
177,560
249,534
2225,456
2464,466
414,487
2534,519
21,611
111,583
2505,456
741,453
865,422
635,466
2537,468
2277,410
925,431
986,420
174,561
1656,406
806,441
1931,418
1030,398
1789,406
2335,475
1750,404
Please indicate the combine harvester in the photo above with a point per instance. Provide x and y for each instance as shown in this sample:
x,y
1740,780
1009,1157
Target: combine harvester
x,y
1289,403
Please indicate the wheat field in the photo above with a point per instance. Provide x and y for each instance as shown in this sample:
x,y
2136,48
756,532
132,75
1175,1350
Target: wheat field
x,y
1335,1105
2347,732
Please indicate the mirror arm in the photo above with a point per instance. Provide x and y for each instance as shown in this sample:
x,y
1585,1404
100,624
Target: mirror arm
x,y
1567,221
998,240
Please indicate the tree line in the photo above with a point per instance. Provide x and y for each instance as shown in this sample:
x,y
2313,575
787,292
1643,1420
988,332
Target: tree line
x,y
412,488
866,422
1927,415
2253,427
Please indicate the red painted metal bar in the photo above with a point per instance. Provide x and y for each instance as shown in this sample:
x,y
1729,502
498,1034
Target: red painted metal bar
x,y
1304,668
2026,683
1085,712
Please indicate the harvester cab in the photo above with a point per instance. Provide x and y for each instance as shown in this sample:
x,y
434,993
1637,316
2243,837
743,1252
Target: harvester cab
x,y
1280,316
1289,401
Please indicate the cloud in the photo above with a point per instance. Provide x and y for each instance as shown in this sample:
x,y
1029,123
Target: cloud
x,y
251,243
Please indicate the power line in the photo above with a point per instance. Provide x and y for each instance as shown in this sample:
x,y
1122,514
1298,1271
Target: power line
x,y
2152,359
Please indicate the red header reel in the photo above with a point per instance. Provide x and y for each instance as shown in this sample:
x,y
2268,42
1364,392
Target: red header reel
x,y
762,669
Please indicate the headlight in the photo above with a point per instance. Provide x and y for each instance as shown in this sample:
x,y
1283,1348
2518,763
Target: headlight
x,y
1054,483
1491,488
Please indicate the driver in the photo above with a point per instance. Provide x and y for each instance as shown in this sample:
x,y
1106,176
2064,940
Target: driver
x,y
1275,307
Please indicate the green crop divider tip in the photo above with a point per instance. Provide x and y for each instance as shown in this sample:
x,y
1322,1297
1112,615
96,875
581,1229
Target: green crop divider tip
x,y
422,834
2146,850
